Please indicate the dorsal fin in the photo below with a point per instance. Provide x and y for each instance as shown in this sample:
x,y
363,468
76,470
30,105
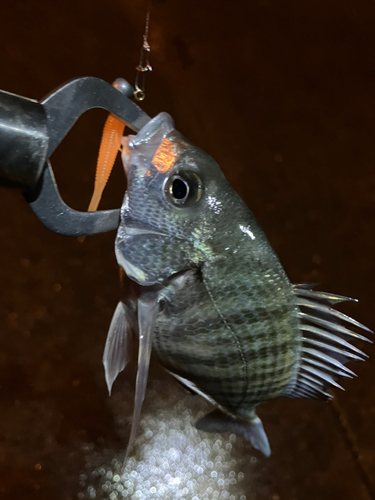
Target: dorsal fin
x,y
325,343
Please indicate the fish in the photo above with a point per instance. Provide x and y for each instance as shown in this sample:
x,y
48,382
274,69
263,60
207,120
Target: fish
x,y
209,296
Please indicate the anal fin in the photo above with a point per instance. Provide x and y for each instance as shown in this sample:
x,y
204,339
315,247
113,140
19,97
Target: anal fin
x,y
191,387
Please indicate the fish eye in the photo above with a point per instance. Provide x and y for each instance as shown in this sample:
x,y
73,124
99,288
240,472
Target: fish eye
x,y
183,188
180,189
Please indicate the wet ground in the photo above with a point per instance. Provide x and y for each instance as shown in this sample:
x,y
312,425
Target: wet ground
x,y
282,96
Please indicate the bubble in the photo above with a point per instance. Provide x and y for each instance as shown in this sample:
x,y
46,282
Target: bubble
x,y
91,491
174,480
174,455
140,466
171,460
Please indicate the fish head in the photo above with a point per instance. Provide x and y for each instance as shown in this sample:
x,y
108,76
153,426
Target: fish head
x,y
176,207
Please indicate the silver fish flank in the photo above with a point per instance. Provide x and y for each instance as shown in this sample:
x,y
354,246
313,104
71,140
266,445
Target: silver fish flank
x,y
213,301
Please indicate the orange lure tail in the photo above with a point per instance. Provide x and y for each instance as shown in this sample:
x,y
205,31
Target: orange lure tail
x,y
109,147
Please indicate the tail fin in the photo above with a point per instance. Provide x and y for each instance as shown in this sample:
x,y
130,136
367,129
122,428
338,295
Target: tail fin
x,y
217,421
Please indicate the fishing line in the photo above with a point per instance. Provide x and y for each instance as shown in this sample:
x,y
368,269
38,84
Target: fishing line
x,y
114,128
144,65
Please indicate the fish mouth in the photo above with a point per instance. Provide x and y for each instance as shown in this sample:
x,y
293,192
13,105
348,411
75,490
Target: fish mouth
x,y
133,227
134,231
147,141
154,131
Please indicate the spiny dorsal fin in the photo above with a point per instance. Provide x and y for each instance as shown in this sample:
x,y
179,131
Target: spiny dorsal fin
x,y
326,343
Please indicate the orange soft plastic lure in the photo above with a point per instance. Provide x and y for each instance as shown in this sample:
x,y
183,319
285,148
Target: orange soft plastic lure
x,y
109,147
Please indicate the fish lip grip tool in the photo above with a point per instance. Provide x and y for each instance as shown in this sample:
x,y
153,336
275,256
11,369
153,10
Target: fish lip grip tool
x,y
30,131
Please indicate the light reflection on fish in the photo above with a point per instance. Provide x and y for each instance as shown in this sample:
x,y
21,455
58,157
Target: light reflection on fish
x,y
213,300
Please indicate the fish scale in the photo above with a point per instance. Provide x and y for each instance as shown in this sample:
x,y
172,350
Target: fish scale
x,y
187,353
265,314
258,361
213,301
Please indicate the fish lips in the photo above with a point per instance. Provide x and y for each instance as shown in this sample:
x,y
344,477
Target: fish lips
x,y
132,228
139,148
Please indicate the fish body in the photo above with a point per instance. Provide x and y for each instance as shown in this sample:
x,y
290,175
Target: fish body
x,y
214,302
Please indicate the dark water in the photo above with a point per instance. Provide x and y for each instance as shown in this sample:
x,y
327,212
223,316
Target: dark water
x,y
282,95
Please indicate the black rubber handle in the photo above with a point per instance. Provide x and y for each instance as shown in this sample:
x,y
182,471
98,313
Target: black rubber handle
x,y
23,141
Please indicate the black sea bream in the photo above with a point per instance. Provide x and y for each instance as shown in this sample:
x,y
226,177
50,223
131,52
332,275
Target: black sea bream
x,y
214,303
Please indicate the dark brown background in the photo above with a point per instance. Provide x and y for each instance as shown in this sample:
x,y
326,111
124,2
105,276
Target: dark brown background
x,y
282,94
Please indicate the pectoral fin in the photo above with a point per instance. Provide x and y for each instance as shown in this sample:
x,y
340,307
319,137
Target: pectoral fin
x,y
148,308
118,344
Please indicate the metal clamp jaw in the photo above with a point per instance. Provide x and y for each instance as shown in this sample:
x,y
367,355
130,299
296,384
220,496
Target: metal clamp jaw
x,y
30,131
